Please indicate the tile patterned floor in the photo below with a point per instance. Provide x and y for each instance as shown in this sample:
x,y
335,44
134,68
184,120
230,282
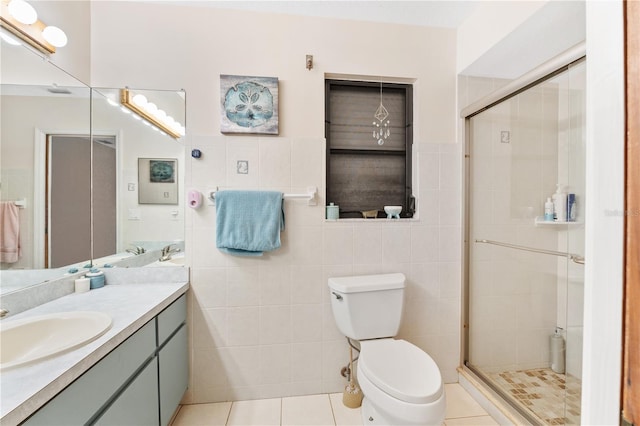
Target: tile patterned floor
x,y
324,409
544,393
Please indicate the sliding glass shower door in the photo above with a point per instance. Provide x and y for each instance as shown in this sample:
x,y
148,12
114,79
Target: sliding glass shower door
x,y
525,273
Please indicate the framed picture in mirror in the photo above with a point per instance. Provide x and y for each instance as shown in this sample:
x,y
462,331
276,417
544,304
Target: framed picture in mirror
x,y
157,181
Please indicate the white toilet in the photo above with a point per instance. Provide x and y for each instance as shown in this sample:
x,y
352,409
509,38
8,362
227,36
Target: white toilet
x,y
401,383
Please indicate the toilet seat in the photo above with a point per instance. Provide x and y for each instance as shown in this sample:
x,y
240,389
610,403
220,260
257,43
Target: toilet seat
x,y
401,370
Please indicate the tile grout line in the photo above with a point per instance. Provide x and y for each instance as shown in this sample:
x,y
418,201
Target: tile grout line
x,y
333,413
468,417
229,414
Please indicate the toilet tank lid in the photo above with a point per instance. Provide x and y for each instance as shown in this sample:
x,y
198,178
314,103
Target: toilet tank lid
x,y
363,283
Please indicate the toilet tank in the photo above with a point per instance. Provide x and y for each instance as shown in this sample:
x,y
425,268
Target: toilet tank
x,y
367,306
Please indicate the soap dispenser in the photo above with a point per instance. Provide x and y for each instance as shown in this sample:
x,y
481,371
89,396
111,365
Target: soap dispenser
x,y
560,204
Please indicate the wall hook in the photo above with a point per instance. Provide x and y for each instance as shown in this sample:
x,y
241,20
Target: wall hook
x,y
309,62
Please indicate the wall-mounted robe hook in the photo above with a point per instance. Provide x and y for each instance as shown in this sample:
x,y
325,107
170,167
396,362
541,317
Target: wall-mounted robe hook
x,y
309,62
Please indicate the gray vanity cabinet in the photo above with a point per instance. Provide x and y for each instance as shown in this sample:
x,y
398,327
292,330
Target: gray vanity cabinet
x,y
83,399
141,382
137,405
173,358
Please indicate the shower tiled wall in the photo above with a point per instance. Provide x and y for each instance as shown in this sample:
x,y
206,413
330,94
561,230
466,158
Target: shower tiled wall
x,y
514,168
263,327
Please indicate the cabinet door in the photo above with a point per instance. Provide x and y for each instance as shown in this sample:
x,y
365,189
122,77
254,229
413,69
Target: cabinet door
x,y
173,361
138,404
171,318
81,400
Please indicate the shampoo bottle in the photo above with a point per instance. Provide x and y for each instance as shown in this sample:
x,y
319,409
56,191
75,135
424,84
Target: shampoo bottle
x,y
560,205
548,210
571,207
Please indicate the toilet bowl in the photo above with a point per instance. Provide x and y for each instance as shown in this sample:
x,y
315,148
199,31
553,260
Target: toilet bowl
x,y
401,384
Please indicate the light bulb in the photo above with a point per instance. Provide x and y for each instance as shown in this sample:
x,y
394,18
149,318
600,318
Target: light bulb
x,y
151,108
140,100
160,115
55,36
23,12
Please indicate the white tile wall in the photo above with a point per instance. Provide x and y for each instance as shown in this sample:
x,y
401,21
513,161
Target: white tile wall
x,y
514,298
263,327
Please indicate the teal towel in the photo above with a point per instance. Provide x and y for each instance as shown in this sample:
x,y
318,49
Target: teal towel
x,y
248,223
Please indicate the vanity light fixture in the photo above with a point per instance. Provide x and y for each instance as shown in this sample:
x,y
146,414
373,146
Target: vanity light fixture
x,y
152,115
21,20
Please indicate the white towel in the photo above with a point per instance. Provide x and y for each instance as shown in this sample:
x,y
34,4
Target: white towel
x,y
10,232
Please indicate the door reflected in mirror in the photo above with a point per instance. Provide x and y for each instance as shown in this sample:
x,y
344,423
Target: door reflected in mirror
x,y
41,106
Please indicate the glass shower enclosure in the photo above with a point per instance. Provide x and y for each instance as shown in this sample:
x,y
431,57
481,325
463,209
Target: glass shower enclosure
x,y
524,273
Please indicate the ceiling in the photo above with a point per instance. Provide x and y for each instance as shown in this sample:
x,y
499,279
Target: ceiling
x,y
442,13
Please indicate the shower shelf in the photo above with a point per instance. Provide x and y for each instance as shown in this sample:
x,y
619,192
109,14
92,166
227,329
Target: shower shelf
x,y
539,221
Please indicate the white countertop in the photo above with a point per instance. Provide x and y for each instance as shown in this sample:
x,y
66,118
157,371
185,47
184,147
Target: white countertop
x,y
27,388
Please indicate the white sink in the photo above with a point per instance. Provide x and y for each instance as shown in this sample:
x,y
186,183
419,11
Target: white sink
x,y
174,261
31,339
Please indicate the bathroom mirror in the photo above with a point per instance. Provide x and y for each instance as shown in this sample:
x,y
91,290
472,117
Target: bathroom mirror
x,y
132,138
42,106
38,99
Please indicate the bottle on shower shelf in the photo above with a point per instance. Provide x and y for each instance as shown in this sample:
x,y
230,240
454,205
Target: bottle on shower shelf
x,y
560,204
548,210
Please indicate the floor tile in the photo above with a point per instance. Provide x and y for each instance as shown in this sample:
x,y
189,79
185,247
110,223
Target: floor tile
x,y
203,414
460,403
471,421
307,410
343,415
261,412
552,398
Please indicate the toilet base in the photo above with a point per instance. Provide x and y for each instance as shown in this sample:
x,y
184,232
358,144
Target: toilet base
x,y
373,417
370,415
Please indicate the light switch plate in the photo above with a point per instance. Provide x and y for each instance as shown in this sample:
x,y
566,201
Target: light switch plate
x,y
134,214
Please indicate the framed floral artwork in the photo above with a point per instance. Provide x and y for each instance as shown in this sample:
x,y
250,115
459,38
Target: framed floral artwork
x,y
249,104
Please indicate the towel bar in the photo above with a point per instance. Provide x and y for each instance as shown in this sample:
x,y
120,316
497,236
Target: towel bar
x,y
572,257
22,203
310,195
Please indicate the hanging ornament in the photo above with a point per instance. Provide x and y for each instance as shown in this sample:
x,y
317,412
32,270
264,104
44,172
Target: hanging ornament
x,y
381,129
